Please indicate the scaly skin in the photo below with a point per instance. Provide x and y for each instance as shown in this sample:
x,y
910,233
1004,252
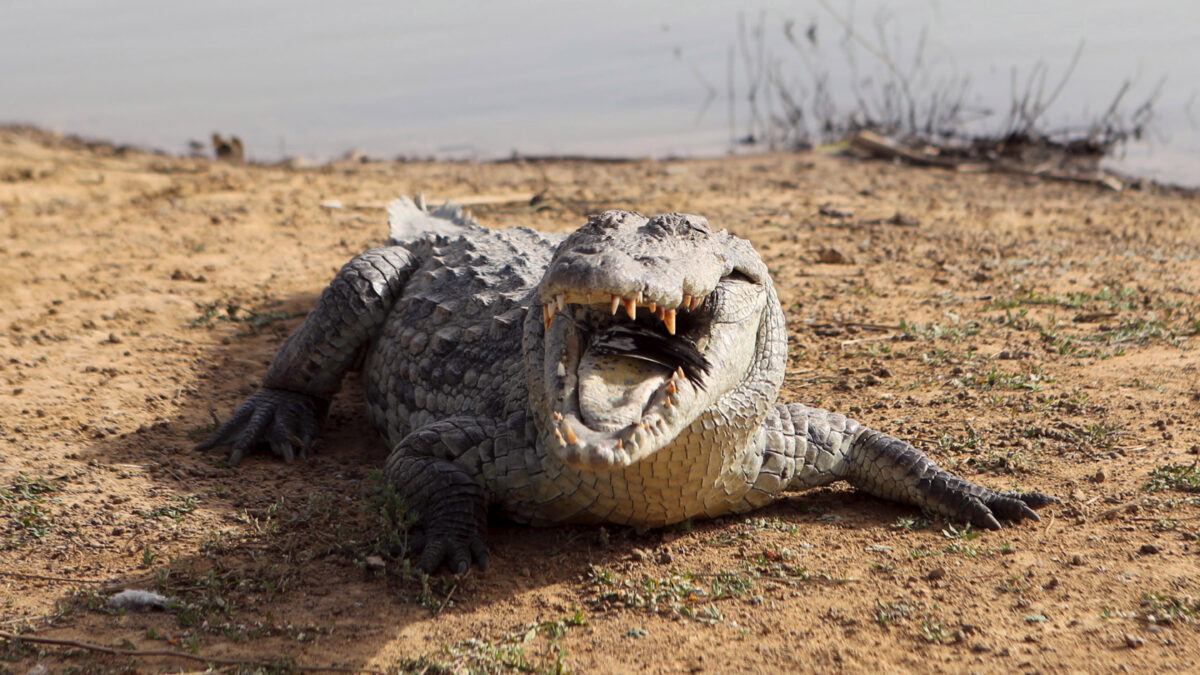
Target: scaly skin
x,y
626,373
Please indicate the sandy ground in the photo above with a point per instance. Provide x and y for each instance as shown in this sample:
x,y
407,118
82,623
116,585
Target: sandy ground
x,y
1026,334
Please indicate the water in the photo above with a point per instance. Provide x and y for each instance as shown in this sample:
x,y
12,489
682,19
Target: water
x,y
484,78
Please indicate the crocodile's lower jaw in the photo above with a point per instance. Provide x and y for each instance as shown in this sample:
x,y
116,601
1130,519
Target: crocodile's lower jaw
x,y
610,410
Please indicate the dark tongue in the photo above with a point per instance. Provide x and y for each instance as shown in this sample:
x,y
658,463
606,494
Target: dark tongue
x,y
614,390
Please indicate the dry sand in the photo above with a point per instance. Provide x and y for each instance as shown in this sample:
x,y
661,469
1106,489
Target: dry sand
x,y
1025,334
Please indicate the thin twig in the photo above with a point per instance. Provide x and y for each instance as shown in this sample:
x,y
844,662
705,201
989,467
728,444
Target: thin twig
x,y
446,600
116,651
41,577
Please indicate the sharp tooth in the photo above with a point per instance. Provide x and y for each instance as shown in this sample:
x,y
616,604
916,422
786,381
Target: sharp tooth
x,y
547,315
571,437
559,437
669,319
616,302
671,386
666,401
687,303
620,444
557,416
680,374
640,297
560,300
696,300
653,307
631,307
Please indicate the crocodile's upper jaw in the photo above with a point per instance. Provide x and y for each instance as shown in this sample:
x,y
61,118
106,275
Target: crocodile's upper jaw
x,y
644,326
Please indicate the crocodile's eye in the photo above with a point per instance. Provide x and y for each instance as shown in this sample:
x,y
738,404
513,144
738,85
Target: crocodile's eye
x,y
739,275
680,225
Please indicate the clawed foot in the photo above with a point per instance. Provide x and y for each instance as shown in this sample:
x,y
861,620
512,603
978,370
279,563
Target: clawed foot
x,y
286,421
456,549
989,508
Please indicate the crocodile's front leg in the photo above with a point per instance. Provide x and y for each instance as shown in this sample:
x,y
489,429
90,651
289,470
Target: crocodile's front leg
x,y
438,469
807,447
287,412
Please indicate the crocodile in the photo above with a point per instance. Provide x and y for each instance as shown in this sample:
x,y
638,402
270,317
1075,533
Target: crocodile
x,y
628,372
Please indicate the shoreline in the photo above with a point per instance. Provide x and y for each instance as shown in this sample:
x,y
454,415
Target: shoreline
x,y
1060,156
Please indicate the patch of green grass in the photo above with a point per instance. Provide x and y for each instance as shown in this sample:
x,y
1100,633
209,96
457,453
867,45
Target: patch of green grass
x,y
949,444
211,312
530,648
932,630
1015,583
996,379
1112,295
934,331
731,585
26,504
393,517
890,613
1137,331
674,591
959,540
1173,477
175,509
1167,608
1012,461
911,523
1100,435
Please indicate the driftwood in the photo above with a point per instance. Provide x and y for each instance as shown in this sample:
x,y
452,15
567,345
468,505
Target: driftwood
x,y
883,147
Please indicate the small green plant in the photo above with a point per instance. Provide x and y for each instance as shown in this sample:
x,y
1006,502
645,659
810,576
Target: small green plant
x,y
1013,584
958,540
911,523
393,516
731,585
1166,608
1174,477
932,630
26,503
887,614
175,509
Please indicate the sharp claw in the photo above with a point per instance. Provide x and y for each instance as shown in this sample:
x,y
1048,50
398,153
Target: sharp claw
x,y
235,457
432,556
1027,512
479,550
989,521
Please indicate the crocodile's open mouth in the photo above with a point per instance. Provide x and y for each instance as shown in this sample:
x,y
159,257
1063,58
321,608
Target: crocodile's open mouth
x,y
623,367
629,373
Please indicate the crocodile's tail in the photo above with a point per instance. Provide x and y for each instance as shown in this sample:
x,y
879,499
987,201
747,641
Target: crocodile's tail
x,y
409,219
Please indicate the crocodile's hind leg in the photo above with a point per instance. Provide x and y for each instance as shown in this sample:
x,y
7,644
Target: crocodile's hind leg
x,y
287,412
437,469
816,447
